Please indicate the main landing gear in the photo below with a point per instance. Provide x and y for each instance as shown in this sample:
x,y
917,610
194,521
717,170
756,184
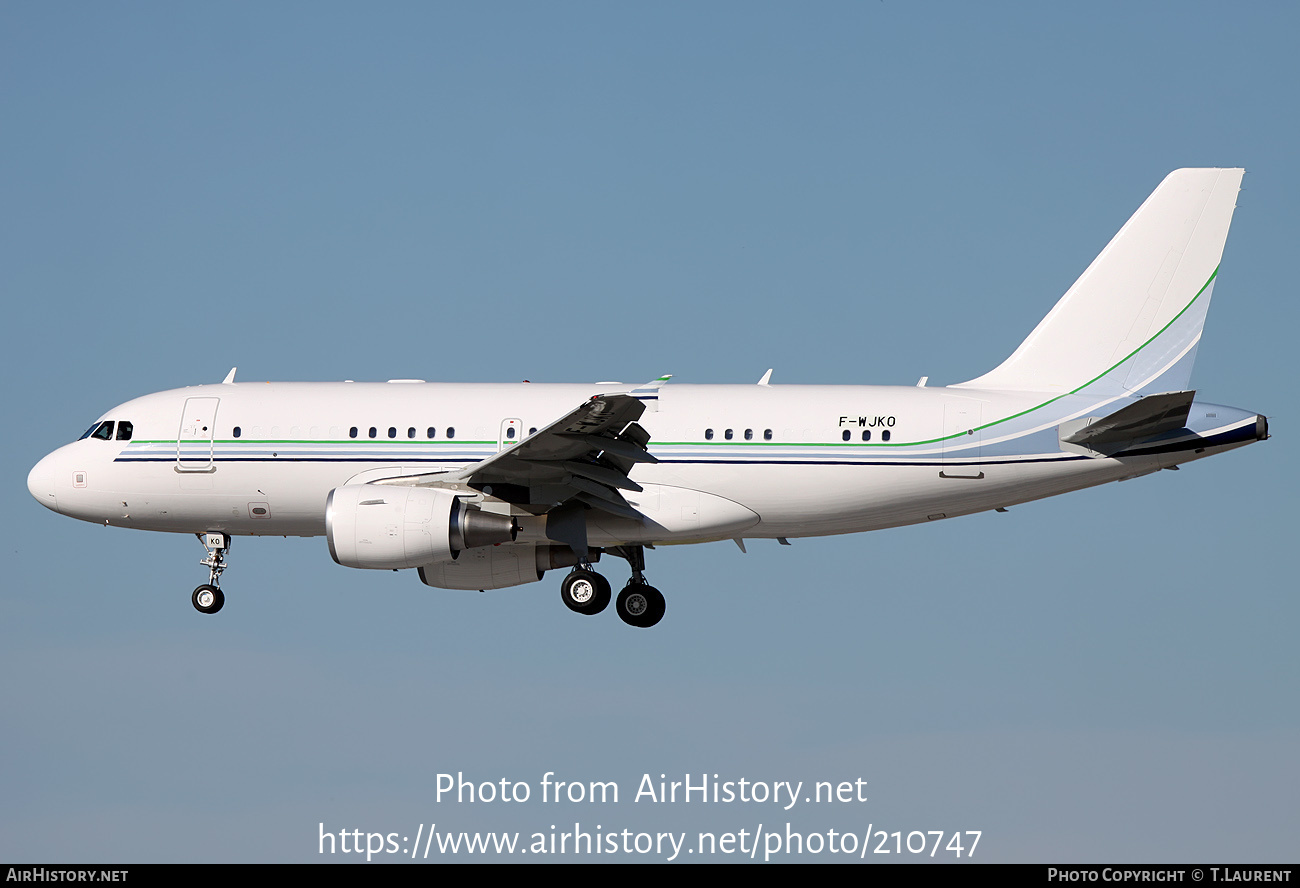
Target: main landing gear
x,y
208,598
639,604
584,591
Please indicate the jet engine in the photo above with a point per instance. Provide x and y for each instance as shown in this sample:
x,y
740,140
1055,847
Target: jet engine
x,y
385,528
497,567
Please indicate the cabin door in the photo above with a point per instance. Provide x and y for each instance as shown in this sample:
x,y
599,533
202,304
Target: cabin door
x,y
512,430
962,439
194,441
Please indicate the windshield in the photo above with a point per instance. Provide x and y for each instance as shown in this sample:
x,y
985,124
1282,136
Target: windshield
x,y
104,432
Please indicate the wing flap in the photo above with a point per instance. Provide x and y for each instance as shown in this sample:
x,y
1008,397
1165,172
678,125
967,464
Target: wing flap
x,y
623,447
584,456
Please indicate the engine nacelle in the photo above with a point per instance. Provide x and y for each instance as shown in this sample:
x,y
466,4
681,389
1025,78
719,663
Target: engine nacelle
x,y
384,527
497,567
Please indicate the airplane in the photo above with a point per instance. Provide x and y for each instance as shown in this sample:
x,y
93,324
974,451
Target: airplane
x,y
486,486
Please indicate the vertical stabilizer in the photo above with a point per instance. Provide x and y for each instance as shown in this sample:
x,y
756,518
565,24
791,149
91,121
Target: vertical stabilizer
x,y
1131,323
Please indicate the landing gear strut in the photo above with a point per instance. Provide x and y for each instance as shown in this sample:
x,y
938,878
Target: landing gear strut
x,y
208,598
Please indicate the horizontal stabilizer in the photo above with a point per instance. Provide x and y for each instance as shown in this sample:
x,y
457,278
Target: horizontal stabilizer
x,y
1144,418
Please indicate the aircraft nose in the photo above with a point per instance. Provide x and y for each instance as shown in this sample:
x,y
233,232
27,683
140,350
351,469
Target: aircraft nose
x,y
40,483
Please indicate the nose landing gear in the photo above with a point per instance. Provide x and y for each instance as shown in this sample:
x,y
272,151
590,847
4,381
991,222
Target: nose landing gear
x,y
208,598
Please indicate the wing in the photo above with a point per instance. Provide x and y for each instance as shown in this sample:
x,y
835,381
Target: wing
x,y
585,456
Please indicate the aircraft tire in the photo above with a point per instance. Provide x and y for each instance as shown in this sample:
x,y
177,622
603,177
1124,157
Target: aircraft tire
x,y
606,595
585,592
208,599
640,605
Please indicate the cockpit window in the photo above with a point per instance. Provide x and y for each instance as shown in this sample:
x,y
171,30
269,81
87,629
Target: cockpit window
x,y
104,432
86,433
124,429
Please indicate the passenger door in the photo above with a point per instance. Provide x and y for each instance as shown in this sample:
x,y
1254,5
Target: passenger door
x,y
512,430
194,440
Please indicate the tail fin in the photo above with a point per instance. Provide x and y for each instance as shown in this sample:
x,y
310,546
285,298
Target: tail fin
x,y
1131,323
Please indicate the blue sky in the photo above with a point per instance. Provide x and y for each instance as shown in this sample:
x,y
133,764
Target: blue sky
x,y
857,193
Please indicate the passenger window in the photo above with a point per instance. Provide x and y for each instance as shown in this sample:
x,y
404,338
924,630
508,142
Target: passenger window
x,y
392,431
124,430
749,434
866,436
884,436
432,431
727,435
451,433
767,434
238,431
104,432
410,433
533,430
373,431
708,434
352,432
510,434
847,434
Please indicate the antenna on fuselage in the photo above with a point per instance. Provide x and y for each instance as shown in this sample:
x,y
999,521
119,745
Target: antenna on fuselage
x,y
230,377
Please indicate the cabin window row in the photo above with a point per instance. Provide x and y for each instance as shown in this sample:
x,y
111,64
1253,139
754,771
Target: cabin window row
x,y
430,432
412,432
730,434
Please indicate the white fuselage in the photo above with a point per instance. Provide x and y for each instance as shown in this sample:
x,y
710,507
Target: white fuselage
x,y
734,460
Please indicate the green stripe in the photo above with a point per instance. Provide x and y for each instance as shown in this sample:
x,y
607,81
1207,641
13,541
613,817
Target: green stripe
x,y
1130,355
